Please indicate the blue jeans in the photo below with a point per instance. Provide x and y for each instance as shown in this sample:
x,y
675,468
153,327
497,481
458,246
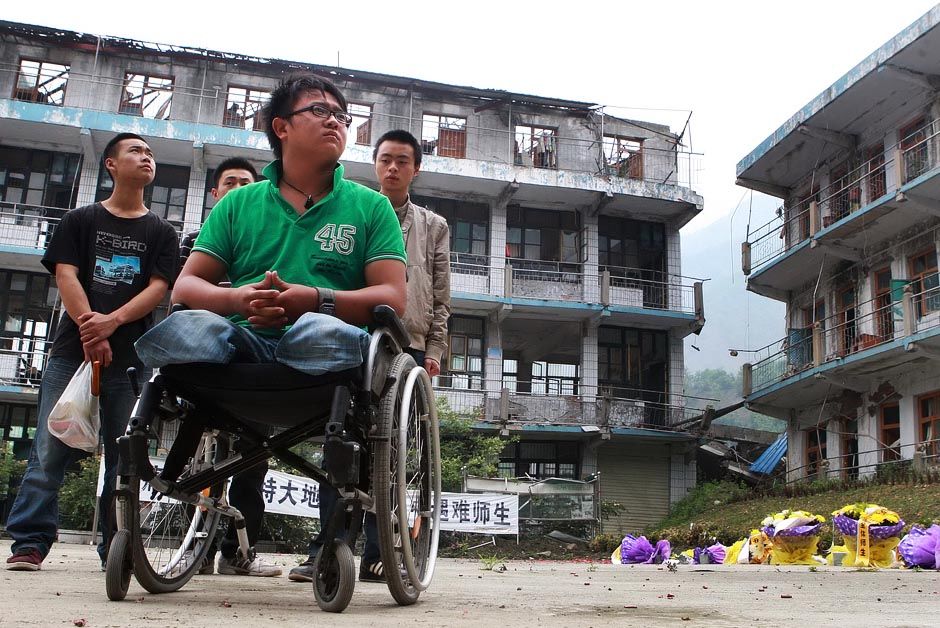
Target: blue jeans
x,y
315,344
34,518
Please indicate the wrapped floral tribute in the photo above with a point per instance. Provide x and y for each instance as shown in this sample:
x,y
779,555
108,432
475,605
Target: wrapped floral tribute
x,y
754,550
711,555
871,534
795,536
638,550
921,548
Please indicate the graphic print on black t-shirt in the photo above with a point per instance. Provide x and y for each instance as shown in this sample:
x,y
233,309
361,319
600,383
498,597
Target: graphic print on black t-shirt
x,y
112,268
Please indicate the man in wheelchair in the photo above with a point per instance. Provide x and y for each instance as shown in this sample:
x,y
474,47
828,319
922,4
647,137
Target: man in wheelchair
x,y
311,258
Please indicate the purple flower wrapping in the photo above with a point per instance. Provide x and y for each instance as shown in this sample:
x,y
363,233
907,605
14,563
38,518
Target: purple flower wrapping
x,y
848,526
662,553
635,550
921,548
714,553
808,530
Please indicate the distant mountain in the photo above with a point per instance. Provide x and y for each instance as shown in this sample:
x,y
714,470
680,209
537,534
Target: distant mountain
x,y
735,318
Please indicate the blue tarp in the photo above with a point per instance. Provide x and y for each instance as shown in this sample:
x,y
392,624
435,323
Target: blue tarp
x,y
768,461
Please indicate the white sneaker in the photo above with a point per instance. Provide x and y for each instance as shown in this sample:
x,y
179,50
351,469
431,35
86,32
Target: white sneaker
x,y
251,566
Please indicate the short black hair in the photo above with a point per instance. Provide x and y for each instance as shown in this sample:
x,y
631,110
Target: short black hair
x,y
403,136
111,147
234,163
285,96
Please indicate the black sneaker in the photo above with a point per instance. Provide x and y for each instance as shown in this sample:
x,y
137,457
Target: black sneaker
x,y
303,572
371,572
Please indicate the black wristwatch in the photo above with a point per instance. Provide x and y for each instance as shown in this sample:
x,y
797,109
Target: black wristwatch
x,y
327,302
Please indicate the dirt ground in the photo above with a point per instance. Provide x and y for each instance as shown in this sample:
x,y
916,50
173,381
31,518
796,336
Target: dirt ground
x,y
70,589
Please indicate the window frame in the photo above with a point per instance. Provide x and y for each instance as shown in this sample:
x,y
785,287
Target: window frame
x,y
928,427
240,121
889,452
35,93
931,303
455,147
527,146
127,106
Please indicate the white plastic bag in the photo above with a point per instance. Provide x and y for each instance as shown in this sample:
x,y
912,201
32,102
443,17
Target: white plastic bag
x,y
74,419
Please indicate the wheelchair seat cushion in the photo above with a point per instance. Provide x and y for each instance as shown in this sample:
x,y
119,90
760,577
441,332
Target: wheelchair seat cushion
x,y
269,393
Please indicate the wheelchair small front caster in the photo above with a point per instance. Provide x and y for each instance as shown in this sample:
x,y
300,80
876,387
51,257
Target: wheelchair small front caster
x,y
334,577
118,569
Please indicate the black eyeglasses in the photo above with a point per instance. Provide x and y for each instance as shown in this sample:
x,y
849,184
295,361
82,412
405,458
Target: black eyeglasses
x,y
324,112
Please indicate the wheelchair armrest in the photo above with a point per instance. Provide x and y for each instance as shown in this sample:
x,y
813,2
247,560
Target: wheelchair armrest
x,y
178,307
385,316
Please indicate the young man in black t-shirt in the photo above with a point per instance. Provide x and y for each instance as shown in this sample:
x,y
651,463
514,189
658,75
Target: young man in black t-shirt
x,y
113,262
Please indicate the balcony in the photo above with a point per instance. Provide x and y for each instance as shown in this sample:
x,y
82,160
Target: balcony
x,y
882,197
846,350
25,231
535,285
505,405
21,364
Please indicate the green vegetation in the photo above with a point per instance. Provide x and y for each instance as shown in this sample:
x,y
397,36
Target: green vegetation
x,y
77,496
463,450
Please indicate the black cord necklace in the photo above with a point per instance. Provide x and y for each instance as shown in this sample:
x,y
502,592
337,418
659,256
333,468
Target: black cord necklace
x,y
309,202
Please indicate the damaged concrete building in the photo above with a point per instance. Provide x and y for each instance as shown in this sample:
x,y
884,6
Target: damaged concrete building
x,y
569,306
853,253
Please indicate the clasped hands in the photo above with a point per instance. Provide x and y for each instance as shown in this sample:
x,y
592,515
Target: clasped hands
x,y
272,302
95,329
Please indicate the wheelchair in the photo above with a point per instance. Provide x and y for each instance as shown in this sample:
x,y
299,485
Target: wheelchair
x,y
381,452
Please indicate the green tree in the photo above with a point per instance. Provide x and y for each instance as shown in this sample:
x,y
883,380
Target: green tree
x,y
77,495
462,448
726,387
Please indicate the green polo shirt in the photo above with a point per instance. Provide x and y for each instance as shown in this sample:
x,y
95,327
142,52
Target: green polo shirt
x,y
253,229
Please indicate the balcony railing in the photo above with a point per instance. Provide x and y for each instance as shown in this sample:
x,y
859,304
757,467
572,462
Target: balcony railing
x,y
22,361
600,407
911,157
863,326
923,456
28,226
653,289
585,153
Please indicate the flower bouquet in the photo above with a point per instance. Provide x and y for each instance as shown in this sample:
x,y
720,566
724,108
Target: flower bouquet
x,y
638,550
754,550
711,555
795,536
921,548
870,533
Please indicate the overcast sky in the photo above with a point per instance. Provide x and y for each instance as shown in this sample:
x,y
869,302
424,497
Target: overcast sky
x,y
742,68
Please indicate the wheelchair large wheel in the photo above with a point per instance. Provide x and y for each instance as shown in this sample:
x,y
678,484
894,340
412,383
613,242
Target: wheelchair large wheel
x,y
335,578
407,479
170,539
117,575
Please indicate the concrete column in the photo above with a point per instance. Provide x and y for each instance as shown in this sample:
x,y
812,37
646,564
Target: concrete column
x,y
796,449
682,471
892,168
867,443
195,194
591,281
589,362
493,360
87,182
834,453
497,249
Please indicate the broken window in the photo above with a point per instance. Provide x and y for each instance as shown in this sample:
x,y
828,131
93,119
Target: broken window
x,y
166,197
243,106
543,238
540,460
925,283
445,136
361,126
41,81
146,96
624,156
890,431
930,424
815,451
464,368
536,147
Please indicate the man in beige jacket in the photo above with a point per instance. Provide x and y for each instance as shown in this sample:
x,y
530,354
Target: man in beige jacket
x,y
397,159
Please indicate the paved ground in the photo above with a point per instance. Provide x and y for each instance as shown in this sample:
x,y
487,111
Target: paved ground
x,y
70,587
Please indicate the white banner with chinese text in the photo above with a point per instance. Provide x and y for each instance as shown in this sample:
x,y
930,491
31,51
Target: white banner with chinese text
x,y
287,494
